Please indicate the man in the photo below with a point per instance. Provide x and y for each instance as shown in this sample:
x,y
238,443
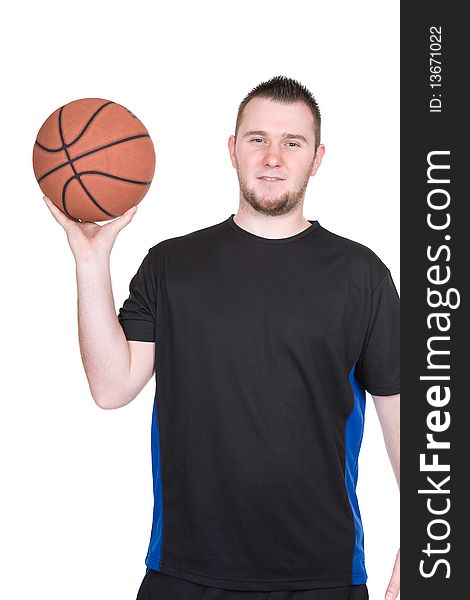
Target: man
x,y
264,332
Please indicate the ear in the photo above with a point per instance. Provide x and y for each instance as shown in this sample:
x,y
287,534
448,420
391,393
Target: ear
x,y
231,149
320,153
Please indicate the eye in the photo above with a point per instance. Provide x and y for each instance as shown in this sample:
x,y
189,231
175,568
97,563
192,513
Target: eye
x,y
293,145
257,140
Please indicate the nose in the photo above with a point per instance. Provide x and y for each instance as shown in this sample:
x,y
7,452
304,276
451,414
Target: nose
x,y
272,157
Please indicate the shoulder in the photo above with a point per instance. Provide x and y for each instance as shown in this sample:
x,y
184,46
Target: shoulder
x,y
186,248
200,236
359,260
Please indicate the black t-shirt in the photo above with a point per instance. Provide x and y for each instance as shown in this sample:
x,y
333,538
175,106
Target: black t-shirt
x,y
264,348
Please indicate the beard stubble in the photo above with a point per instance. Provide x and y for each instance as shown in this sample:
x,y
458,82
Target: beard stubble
x,y
273,207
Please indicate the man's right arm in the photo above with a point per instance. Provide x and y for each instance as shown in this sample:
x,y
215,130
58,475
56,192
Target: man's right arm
x,y
116,369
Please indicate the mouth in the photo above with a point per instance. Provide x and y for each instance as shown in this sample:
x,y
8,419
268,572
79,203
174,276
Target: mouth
x,y
271,179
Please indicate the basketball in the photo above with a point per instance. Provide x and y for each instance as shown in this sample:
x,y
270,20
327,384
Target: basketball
x,y
94,159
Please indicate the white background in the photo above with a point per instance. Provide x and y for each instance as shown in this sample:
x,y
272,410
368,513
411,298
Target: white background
x,y
76,504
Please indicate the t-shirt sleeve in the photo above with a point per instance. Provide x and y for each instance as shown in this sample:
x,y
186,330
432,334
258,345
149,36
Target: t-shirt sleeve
x,y
378,367
138,313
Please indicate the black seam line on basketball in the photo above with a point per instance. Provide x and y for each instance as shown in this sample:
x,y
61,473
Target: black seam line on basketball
x,y
114,177
61,133
64,204
132,137
64,145
76,175
64,189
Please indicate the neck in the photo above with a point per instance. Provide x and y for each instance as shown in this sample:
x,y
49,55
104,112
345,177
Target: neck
x,y
268,226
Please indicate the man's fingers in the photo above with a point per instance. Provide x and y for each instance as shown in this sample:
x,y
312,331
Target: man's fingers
x,y
394,585
56,213
117,224
392,591
125,218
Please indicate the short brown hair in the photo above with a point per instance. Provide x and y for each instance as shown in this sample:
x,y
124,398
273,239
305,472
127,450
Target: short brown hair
x,y
286,90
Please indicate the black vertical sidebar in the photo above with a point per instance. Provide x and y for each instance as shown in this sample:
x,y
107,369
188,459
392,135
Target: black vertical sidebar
x,y
435,252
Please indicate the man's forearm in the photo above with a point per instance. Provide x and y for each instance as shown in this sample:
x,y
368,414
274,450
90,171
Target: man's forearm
x,y
103,345
388,411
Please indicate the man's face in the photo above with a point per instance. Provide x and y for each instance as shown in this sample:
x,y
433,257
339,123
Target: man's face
x,y
274,154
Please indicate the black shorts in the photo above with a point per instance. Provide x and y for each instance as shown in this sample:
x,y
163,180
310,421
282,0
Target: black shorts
x,y
159,586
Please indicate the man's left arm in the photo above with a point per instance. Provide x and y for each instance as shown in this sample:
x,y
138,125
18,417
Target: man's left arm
x,y
388,411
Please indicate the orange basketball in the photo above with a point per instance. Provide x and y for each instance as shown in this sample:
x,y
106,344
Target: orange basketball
x,y
94,159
